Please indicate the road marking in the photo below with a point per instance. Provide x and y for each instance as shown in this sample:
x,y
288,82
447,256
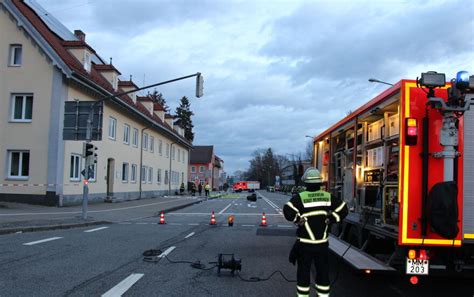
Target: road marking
x,y
124,285
96,229
42,240
229,213
284,226
276,207
222,211
190,234
142,223
248,225
166,253
175,224
125,223
193,224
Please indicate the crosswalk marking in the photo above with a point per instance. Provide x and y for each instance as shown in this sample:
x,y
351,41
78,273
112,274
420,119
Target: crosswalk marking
x,y
42,240
96,229
124,285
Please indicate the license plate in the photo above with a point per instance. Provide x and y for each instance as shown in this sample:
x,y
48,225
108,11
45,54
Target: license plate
x,y
418,267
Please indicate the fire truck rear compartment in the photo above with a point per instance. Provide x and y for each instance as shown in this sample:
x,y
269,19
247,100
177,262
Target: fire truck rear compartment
x,y
468,191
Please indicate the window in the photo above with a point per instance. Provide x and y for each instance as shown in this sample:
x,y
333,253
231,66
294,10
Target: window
x,y
19,164
75,167
179,155
143,175
135,137
145,141
166,177
15,54
160,147
152,144
125,172
182,177
93,172
167,150
193,169
126,134
22,108
201,169
87,61
150,175
173,151
133,177
158,176
112,128
184,156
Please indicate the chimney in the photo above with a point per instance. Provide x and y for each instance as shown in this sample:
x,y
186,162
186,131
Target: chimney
x,y
80,35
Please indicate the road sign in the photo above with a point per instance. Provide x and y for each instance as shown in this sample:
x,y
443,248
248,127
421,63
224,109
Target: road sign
x,y
76,114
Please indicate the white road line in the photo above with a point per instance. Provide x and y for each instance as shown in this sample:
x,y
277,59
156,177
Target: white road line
x,y
42,240
193,224
96,229
284,226
229,213
175,224
141,223
166,253
124,285
190,234
125,223
248,225
222,211
276,207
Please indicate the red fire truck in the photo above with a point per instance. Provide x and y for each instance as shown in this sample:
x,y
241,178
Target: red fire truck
x,y
250,186
404,164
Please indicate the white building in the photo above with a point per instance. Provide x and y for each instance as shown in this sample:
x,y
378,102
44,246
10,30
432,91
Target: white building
x,y
43,65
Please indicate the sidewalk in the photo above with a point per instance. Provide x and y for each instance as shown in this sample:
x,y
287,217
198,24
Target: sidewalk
x,y
18,217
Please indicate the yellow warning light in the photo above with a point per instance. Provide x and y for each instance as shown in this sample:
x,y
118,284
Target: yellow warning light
x,y
411,122
411,254
368,271
230,220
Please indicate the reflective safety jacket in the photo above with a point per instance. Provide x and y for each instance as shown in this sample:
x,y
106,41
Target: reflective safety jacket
x,y
207,187
315,207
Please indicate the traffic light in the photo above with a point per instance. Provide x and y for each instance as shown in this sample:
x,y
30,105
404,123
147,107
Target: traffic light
x,y
199,85
89,152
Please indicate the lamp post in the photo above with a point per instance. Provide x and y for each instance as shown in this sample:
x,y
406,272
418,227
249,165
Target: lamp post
x,y
169,173
374,80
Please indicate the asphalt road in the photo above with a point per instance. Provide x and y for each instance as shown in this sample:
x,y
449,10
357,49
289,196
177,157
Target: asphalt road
x,y
107,260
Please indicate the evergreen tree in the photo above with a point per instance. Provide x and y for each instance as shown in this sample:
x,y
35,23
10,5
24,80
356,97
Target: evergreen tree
x,y
158,98
183,116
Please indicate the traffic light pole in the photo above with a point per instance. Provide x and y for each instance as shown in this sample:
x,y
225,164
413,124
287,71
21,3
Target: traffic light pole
x,y
85,187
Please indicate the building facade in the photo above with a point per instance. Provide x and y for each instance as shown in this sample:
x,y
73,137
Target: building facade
x,y
42,66
206,167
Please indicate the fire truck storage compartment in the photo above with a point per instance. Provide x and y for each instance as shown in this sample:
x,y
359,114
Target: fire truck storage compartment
x,y
393,125
468,191
374,131
375,157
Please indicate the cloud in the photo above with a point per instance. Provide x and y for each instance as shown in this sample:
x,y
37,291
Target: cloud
x,y
274,72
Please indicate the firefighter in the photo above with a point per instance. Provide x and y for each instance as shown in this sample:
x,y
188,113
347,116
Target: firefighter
x,y
206,189
181,189
193,189
200,189
313,210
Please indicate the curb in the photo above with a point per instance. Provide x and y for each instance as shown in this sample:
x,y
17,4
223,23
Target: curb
x,y
49,227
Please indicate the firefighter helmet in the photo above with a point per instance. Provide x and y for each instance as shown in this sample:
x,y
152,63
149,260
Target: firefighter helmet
x,y
311,176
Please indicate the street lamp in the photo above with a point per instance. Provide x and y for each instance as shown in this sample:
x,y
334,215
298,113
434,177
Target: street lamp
x,y
379,81
309,136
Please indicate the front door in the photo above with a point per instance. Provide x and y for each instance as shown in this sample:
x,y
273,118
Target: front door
x,y
110,177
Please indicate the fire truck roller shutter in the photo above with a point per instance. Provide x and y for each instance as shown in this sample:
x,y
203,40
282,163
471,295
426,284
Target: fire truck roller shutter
x,y
468,176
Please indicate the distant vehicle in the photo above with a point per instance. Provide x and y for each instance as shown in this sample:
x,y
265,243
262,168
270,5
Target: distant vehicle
x,y
270,188
249,186
252,197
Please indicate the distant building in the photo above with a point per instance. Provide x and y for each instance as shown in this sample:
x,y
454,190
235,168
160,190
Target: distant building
x,y
294,167
42,66
206,167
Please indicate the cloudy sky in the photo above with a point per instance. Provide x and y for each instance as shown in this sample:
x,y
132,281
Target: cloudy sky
x,y
274,71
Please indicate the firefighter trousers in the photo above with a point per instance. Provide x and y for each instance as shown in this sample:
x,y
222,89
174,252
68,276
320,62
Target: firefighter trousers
x,y
307,255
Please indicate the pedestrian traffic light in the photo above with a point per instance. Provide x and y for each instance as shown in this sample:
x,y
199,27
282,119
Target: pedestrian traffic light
x,y
199,85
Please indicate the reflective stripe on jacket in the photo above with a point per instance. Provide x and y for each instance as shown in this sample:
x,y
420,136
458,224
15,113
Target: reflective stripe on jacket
x,y
315,207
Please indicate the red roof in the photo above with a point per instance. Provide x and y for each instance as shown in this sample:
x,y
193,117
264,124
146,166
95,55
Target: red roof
x,y
144,98
77,44
158,107
127,83
106,67
60,47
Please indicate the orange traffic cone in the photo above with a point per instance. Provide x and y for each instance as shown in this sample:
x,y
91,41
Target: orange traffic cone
x,y
213,219
264,220
162,218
